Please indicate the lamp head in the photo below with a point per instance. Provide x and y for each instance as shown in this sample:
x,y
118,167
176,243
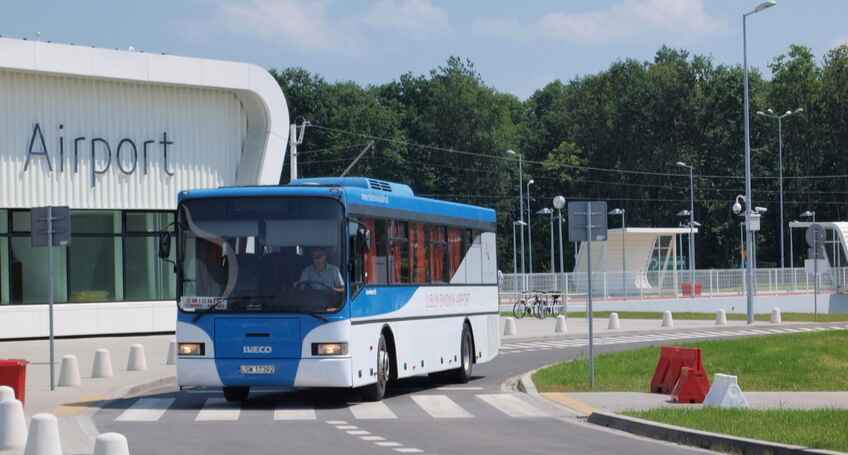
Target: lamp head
x,y
770,111
559,202
799,110
616,212
510,152
530,182
683,213
763,6
760,209
761,113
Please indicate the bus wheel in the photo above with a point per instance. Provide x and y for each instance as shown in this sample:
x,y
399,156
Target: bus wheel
x,y
236,394
376,391
463,373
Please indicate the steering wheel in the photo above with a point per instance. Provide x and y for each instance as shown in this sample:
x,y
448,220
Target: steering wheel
x,y
304,283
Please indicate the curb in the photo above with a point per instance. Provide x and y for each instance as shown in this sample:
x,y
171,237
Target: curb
x,y
697,438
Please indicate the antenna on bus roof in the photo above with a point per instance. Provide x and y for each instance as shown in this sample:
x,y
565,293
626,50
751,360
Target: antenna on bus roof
x,y
369,146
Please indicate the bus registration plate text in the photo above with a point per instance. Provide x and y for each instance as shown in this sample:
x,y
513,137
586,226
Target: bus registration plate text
x,y
257,369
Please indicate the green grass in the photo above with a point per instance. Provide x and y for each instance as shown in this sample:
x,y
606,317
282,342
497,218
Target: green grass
x,y
793,362
818,428
787,317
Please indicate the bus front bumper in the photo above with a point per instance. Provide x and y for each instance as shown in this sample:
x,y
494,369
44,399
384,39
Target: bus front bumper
x,y
307,372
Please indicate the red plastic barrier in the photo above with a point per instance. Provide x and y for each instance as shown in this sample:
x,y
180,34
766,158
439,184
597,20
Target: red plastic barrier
x,y
691,387
687,288
671,360
13,374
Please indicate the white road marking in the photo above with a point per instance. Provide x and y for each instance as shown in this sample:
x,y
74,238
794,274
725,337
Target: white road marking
x,y
337,422
440,407
293,412
408,450
372,438
146,410
358,432
457,388
375,410
347,427
388,444
218,409
511,405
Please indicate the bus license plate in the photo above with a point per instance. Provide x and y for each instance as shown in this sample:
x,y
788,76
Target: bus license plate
x,y
257,369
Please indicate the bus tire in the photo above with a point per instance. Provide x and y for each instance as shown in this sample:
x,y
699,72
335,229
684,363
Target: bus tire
x,y
236,394
376,391
462,374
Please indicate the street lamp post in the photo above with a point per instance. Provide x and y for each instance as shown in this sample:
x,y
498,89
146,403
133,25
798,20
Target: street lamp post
x,y
521,214
514,248
691,225
559,203
770,114
529,233
690,244
550,213
623,250
748,202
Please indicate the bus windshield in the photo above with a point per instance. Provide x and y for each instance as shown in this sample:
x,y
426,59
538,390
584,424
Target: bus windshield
x,y
252,254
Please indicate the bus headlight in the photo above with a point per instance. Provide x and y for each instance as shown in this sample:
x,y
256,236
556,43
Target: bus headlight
x,y
329,348
191,348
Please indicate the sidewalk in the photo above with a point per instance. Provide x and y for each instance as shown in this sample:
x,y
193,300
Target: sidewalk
x,y
540,328
74,405
624,401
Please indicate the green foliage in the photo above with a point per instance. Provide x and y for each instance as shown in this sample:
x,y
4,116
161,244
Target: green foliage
x,y
796,362
816,428
641,116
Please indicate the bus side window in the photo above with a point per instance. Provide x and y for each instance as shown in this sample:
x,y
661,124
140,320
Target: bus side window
x,y
399,261
439,266
455,254
418,253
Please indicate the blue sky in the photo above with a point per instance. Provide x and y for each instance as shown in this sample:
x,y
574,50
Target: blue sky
x,y
518,46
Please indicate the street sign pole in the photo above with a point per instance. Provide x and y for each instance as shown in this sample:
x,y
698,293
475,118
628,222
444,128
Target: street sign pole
x,y
50,292
589,273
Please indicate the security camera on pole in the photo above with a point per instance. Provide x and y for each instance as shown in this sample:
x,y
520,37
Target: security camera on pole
x,y
752,224
559,203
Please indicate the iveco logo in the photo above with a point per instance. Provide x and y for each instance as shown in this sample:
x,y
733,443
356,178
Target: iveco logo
x,y
256,349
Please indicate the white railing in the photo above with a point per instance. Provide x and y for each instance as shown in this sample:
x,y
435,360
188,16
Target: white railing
x,y
654,284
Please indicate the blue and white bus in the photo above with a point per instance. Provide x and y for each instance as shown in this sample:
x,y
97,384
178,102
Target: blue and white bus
x,y
331,282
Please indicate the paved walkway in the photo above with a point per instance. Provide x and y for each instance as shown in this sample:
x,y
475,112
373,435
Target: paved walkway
x,y
622,401
74,405
539,328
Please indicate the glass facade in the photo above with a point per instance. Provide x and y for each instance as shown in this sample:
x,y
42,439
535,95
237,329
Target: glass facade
x,y
113,256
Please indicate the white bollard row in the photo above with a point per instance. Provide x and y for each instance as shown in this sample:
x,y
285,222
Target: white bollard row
x,y
102,367
614,323
13,429
43,436
137,361
172,353
721,317
6,393
776,317
667,319
561,326
111,444
69,374
509,327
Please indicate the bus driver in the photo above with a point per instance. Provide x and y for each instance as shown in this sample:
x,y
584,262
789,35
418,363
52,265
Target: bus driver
x,y
321,273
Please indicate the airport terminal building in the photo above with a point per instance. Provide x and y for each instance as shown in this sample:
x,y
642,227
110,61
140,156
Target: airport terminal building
x,y
115,135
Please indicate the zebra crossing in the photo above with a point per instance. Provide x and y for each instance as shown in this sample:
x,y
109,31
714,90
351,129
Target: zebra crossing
x,y
548,344
426,405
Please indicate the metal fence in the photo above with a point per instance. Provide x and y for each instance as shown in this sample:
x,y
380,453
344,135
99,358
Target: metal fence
x,y
655,284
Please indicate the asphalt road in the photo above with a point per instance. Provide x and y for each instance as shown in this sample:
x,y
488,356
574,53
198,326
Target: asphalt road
x,y
419,416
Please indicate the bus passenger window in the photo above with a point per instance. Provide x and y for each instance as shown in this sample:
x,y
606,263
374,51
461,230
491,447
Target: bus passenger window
x,y
399,263
438,255
418,252
455,254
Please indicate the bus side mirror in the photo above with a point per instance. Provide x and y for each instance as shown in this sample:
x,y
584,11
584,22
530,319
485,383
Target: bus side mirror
x,y
164,245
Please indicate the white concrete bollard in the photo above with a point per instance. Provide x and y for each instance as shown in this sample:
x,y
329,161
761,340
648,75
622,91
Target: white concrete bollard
x,y
561,325
667,321
776,317
614,323
137,360
102,367
6,393
721,317
111,444
725,393
13,429
69,373
172,353
509,327
43,436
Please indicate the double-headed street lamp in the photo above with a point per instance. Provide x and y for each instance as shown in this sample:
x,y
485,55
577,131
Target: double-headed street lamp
x,y
515,249
749,269
550,213
770,114
520,211
691,224
623,250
